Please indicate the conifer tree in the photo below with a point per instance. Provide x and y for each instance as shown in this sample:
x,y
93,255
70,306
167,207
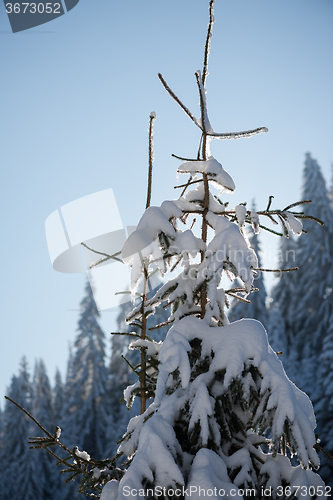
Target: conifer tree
x,y
58,399
220,387
87,408
43,410
312,305
20,474
330,192
324,403
281,328
224,417
277,331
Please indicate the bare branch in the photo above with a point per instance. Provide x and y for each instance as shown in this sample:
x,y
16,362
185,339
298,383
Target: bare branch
x,y
269,203
188,183
208,39
238,297
238,135
178,101
185,159
276,270
152,118
108,257
296,204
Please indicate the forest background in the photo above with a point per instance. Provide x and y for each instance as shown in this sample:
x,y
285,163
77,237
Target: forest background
x,y
289,69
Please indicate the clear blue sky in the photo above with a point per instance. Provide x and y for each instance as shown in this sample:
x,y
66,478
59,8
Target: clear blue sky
x,y
75,99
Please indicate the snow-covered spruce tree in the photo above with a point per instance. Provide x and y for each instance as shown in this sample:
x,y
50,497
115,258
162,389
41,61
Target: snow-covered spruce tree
x,y
284,291
58,398
256,307
87,407
220,386
312,304
324,403
20,478
42,408
330,192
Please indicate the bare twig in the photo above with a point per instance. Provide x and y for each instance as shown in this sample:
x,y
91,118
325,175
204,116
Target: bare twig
x,y
269,203
188,184
238,135
108,257
178,101
296,204
152,118
208,39
185,159
238,297
165,323
276,270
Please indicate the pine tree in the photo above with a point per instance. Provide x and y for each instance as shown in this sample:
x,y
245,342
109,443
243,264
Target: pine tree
x,y
20,475
42,408
284,291
220,387
58,399
330,193
277,331
224,417
312,305
324,403
87,408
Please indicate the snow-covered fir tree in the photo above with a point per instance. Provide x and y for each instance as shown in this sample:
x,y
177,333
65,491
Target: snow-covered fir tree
x,y
223,418
277,331
87,407
324,403
255,308
284,291
312,305
58,399
20,478
330,192
305,301
220,390
42,409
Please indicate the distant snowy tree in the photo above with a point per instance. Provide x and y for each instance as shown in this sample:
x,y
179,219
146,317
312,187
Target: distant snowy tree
x,y
87,408
21,480
284,291
330,192
312,305
323,401
58,399
256,309
42,408
276,330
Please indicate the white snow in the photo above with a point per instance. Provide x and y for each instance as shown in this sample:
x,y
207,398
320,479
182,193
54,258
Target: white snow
x,y
110,490
216,174
82,454
295,225
240,214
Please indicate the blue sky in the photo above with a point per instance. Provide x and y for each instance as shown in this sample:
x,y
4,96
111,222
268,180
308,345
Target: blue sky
x,y
75,101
